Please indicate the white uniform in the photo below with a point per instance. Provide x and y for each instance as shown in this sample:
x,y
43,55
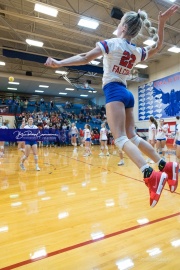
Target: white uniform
x,y
160,133
74,131
152,129
30,127
4,127
120,57
87,134
103,134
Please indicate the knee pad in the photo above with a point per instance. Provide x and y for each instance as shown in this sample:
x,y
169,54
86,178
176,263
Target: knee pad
x,y
2,147
102,147
136,140
119,142
35,157
24,157
75,144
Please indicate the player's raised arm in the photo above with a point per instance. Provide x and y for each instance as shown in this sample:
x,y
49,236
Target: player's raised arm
x,y
77,60
162,18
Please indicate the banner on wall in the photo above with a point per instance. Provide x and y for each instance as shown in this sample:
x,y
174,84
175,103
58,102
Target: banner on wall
x,y
32,135
160,98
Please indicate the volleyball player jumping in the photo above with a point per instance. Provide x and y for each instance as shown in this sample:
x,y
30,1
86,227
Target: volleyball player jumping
x,y
120,56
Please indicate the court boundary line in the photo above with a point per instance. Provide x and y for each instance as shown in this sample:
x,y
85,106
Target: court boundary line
x,y
88,242
85,243
115,173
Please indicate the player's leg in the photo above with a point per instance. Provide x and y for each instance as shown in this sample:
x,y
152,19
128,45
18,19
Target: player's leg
x,y
35,153
121,162
25,156
117,125
171,168
102,148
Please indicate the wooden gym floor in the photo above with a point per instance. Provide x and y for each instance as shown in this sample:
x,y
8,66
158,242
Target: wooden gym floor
x,y
82,213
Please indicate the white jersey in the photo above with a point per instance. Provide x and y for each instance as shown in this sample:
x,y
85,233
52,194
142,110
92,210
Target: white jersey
x,y
178,132
4,127
120,56
162,132
21,127
87,134
152,131
30,127
103,134
74,130
46,127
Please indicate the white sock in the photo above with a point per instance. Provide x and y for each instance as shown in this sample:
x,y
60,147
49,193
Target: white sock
x,y
146,166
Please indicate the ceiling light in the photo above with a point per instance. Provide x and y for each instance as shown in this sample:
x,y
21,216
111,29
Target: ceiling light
x,y
115,32
34,42
91,91
174,49
62,93
44,86
39,91
94,62
172,0
69,89
83,95
14,83
61,72
88,23
46,10
149,42
2,63
141,66
9,88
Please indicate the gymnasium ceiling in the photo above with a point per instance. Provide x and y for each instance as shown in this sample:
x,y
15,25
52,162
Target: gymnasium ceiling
x,y
62,37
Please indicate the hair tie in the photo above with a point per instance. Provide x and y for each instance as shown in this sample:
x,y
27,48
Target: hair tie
x,y
138,13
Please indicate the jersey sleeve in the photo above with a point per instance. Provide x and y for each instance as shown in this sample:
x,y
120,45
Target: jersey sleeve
x,y
105,46
153,127
143,53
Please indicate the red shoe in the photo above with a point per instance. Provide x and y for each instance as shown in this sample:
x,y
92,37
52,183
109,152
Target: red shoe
x,y
172,168
155,183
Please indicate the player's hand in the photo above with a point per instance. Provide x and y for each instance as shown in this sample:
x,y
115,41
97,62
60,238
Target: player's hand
x,y
50,62
163,17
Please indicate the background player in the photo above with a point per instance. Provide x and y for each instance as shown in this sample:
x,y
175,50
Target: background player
x,y
74,135
30,145
161,138
4,126
103,140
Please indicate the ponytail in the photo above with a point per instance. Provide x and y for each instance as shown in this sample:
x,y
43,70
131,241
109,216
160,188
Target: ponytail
x,y
134,22
151,30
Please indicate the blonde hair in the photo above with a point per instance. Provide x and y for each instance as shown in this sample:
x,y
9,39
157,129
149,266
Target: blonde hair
x,y
135,21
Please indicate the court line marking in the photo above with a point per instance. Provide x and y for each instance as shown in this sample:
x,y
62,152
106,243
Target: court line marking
x,y
79,245
178,193
85,243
